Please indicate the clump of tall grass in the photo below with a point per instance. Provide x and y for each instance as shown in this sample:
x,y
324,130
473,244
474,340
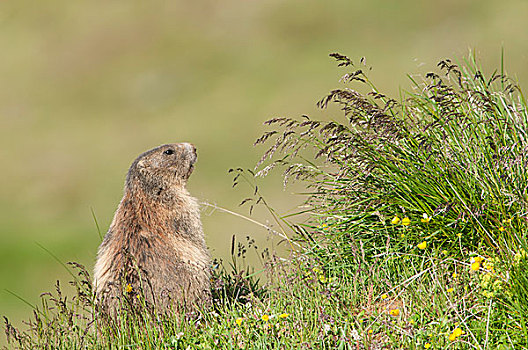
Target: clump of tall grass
x,y
423,192
450,156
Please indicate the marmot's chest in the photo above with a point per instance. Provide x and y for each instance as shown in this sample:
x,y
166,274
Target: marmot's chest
x,y
177,248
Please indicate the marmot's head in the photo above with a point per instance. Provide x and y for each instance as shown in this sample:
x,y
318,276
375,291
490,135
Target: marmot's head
x,y
164,166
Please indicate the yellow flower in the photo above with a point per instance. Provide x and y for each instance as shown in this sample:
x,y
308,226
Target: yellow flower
x,y
427,345
450,290
455,275
394,312
284,315
475,266
402,235
265,318
422,245
488,294
502,229
457,332
406,222
384,296
128,288
489,265
520,255
459,234
370,331
239,320
478,259
395,220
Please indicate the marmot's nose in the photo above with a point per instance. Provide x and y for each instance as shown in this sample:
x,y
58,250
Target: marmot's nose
x,y
190,148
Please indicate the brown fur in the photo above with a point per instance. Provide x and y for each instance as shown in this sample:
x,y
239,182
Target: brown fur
x,y
155,247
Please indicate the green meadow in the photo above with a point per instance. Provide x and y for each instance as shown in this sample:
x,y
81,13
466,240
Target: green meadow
x,y
412,234
86,87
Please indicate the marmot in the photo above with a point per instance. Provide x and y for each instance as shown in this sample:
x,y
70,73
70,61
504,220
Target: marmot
x,y
155,247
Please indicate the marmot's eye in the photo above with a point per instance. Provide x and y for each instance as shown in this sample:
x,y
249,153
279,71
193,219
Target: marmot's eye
x,y
169,151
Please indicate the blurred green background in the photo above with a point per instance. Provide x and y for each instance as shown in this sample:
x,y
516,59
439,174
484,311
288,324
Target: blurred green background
x,y
87,86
